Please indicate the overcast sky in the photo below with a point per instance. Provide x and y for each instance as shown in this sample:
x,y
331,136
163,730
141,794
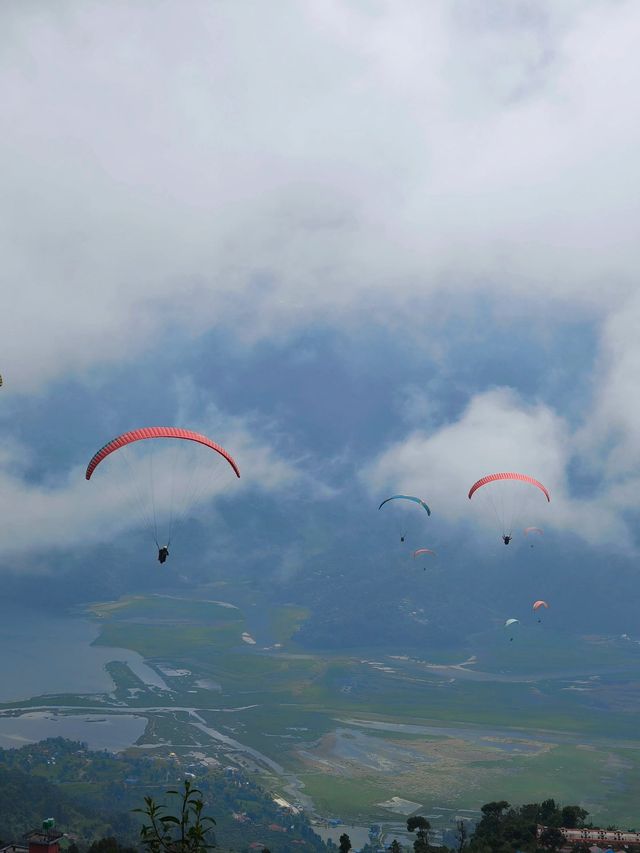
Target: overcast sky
x,y
367,246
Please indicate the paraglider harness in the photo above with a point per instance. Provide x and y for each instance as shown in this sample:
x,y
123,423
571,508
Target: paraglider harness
x,y
163,553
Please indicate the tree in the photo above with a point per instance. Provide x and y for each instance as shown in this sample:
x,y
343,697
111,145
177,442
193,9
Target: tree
x,y
421,826
417,822
573,816
107,845
396,847
185,833
551,838
461,829
504,829
345,843
490,831
495,809
548,813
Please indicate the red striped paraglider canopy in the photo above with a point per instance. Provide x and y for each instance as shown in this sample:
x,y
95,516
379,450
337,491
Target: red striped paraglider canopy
x,y
156,432
509,475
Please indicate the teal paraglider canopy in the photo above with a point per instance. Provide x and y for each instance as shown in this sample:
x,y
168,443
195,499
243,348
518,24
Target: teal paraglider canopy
x,y
403,515
406,498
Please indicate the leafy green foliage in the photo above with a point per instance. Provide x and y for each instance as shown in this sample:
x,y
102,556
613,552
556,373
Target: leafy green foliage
x,y
188,832
108,845
345,843
551,838
92,795
505,829
26,798
573,816
421,826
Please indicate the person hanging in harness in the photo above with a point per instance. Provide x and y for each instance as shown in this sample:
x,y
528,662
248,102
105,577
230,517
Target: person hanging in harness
x,y
506,538
163,553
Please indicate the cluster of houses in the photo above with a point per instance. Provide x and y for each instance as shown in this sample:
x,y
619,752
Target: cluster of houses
x,y
43,840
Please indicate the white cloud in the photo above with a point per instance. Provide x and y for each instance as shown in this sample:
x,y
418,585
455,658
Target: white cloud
x,y
610,435
499,432
264,169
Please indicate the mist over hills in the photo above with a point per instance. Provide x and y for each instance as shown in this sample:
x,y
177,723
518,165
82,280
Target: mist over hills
x,y
316,537
360,588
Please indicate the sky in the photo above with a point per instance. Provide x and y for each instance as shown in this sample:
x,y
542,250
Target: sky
x,y
367,247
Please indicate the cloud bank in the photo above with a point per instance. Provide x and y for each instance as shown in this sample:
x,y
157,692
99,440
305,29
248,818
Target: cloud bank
x,y
374,166
264,171
498,431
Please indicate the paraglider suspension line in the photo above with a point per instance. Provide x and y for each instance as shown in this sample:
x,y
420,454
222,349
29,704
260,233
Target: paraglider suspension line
x,y
142,503
495,510
174,462
153,496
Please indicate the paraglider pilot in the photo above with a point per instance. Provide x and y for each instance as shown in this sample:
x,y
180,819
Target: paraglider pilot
x,y
163,553
506,539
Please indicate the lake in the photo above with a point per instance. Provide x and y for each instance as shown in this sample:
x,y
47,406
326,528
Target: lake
x,y
44,653
113,732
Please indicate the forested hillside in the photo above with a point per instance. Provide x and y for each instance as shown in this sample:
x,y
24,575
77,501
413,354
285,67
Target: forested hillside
x,y
91,795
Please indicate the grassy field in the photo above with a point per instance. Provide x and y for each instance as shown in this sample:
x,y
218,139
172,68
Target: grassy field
x,y
570,774
349,800
289,706
536,648
285,621
159,608
171,642
124,679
